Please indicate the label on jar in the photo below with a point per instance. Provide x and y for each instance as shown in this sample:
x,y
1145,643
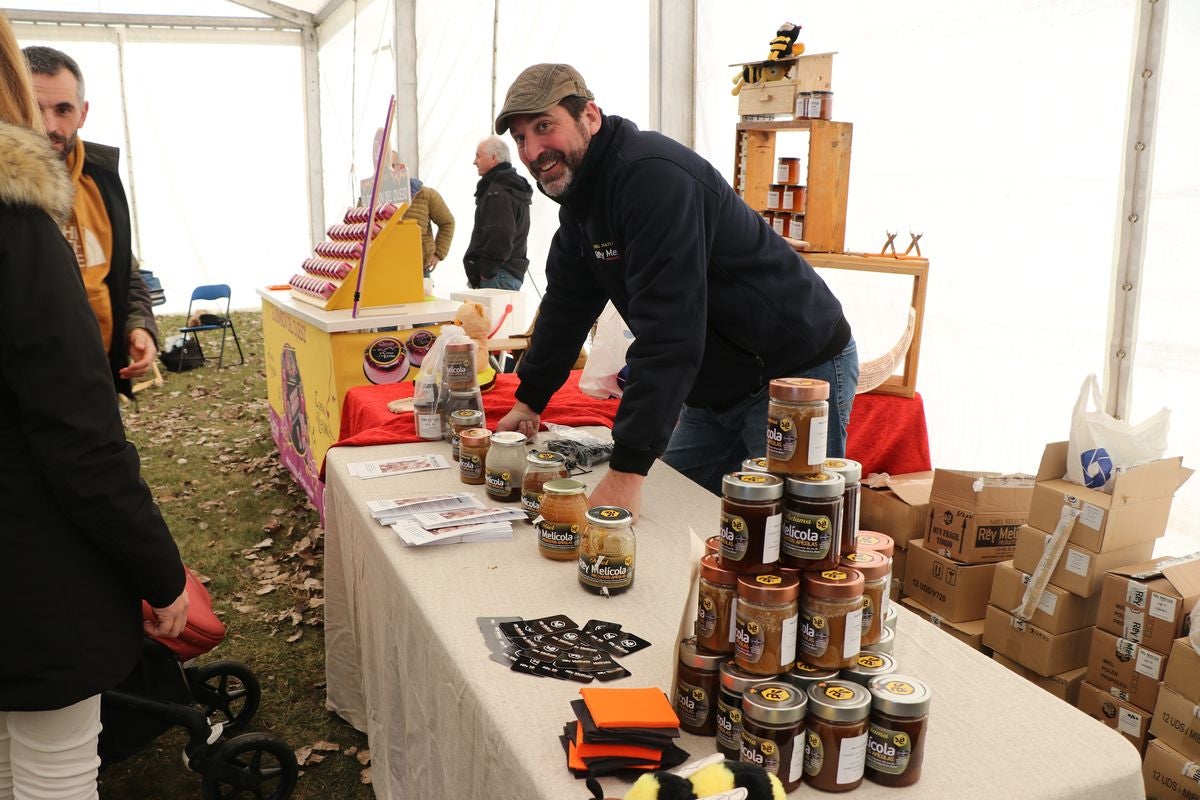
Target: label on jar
x,y
735,537
749,639
781,439
558,537
760,751
814,753
499,483
888,750
772,198
818,434
814,108
788,196
601,570
771,534
782,172
853,641
531,503
814,634
706,616
787,647
459,372
429,426
852,758
806,536
729,726
692,704
470,466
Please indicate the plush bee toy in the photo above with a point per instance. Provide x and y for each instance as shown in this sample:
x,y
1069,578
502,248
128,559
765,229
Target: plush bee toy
x,y
709,779
783,46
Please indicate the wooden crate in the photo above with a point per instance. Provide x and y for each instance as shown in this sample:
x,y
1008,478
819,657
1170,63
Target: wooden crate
x,y
813,73
772,97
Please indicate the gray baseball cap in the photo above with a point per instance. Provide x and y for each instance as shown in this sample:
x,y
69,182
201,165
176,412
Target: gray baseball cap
x,y
540,88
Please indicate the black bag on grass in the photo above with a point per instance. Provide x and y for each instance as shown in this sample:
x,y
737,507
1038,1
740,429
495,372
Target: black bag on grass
x,y
182,355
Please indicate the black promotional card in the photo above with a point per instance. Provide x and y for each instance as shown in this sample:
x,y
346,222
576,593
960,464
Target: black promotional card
x,y
618,643
559,623
566,640
600,626
555,647
492,633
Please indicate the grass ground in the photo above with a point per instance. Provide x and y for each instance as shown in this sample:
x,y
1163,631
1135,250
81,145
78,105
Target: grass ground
x,y
240,521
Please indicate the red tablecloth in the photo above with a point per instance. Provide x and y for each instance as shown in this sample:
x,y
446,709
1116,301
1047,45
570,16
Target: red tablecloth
x,y
887,434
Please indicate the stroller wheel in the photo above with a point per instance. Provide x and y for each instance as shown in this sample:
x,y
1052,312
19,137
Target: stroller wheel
x,y
253,765
228,692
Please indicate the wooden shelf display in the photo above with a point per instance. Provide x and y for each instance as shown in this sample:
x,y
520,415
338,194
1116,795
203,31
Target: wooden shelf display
x,y
828,174
393,275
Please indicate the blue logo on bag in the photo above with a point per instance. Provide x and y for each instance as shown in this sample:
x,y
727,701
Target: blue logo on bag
x,y
1097,467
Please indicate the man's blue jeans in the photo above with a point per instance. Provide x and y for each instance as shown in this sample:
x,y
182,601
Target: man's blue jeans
x,y
708,444
503,279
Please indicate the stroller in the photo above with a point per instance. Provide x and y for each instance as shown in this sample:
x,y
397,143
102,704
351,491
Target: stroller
x,y
213,702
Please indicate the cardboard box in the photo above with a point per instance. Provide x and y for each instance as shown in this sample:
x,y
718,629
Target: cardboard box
x,y
1058,611
1045,653
1136,511
1064,686
1125,718
1183,670
974,516
1168,775
969,632
955,592
1124,669
898,506
1149,603
1079,571
1176,724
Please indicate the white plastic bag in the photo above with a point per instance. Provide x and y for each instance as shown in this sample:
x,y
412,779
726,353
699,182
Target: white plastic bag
x,y
602,376
1101,446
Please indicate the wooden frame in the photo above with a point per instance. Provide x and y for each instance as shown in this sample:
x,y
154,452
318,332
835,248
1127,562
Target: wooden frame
x,y
904,385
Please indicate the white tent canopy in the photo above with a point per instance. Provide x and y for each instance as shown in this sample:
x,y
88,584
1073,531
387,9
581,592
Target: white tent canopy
x,y
1055,182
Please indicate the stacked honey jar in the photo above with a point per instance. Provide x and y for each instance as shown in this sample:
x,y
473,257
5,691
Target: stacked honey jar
x,y
791,665
787,199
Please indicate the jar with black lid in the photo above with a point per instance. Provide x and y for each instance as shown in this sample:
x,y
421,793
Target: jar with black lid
x,y
797,425
811,536
764,635
896,738
851,472
735,682
876,570
835,744
830,632
751,514
868,665
696,688
715,602
773,731
607,551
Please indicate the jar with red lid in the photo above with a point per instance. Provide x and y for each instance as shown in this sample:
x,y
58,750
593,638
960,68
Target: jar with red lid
x,y
716,598
811,536
751,516
764,635
876,570
830,632
797,425
835,744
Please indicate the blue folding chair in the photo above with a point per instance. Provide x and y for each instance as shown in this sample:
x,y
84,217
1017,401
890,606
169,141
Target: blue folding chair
x,y
213,322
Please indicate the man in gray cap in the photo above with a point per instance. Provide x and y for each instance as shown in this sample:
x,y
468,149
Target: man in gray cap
x,y
719,304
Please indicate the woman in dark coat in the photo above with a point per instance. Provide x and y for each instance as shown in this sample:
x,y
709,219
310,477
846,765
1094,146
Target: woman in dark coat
x,y
81,541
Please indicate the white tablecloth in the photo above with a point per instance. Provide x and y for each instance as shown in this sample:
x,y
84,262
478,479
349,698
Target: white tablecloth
x,y
406,662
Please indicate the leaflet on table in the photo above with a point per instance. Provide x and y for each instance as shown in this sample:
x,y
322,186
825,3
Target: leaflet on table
x,y
388,511
442,519
413,534
397,466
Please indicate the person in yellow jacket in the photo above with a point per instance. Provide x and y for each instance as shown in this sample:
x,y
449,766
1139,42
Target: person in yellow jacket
x,y
428,209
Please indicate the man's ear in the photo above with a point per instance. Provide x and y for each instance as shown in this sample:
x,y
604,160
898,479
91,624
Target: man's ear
x,y
591,117
83,116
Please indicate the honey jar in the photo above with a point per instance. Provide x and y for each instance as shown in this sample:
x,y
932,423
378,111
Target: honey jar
x,y
830,632
714,614
473,446
563,517
505,466
607,550
764,634
773,731
811,536
835,744
896,736
797,425
751,516
696,684
876,570
735,683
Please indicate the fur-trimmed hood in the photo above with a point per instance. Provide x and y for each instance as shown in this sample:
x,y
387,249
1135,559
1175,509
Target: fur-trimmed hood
x,y
31,173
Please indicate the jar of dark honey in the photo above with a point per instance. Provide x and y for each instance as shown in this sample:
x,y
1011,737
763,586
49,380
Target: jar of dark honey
x,y
751,514
811,536
835,744
896,736
696,688
764,634
797,425
773,731
830,632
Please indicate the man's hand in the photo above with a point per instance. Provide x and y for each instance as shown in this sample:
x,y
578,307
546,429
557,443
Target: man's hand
x,y
432,263
142,351
168,622
522,419
623,489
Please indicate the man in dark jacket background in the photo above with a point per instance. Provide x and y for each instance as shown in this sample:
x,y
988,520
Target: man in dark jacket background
x,y
99,229
719,304
495,258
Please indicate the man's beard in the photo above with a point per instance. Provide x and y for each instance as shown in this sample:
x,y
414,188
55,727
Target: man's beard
x,y
68,144
569,164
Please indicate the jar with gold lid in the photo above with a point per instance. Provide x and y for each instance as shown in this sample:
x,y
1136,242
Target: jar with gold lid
x,y
716,597
607,550
830,632
696,687
797,425
461,419
735,682
563,517
868,665
764,633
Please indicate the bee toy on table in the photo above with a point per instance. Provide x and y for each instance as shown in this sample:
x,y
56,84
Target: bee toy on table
x,y
712,778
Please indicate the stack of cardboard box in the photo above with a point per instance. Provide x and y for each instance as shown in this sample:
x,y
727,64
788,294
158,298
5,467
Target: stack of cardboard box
x,y
897,505
1170,769
971,526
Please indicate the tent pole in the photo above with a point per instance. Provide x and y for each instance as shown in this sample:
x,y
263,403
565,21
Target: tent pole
x,y
406,86
131,189
673,69
1137,166
312,128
